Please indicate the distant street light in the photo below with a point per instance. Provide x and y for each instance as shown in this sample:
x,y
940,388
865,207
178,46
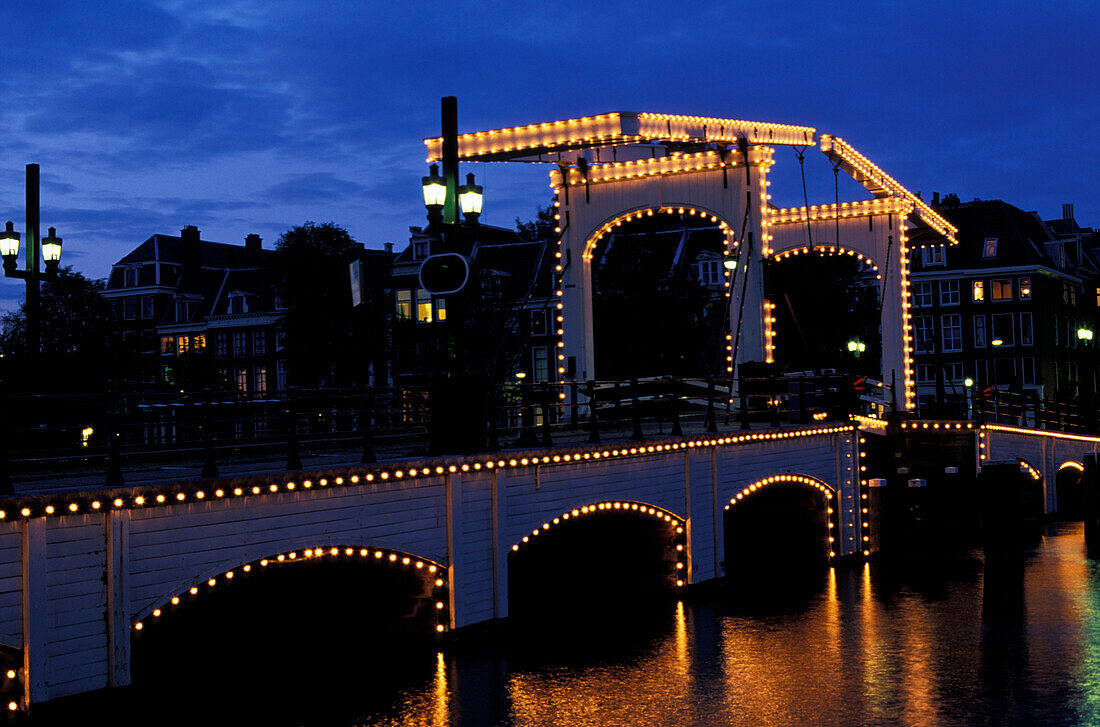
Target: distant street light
x,y
48,249
1084,334
856,346
729,261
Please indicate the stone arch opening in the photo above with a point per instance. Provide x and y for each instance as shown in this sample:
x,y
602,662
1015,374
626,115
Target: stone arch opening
x,y
660,269
781,524
598,558
304,615
1070,491
825,311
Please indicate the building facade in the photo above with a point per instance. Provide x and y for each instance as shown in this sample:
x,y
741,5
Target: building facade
x,y
1012,307
202,314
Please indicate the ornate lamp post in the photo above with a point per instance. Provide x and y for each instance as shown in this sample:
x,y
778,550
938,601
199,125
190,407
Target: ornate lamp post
x,y
48,249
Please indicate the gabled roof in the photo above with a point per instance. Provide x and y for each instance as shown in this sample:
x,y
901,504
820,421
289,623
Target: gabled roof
x,y
1021,237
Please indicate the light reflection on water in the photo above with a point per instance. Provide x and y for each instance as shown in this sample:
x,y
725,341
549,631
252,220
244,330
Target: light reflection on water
x,y
1014,640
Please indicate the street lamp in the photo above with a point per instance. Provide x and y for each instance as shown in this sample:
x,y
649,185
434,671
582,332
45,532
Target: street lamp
x,y
435,193
48,249
729,261
856,346
1084,334
469,199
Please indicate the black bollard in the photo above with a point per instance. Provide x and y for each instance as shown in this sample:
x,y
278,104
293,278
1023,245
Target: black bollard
x,y
366,427
593,419
635,412
209,465
710,420
293,448
674,402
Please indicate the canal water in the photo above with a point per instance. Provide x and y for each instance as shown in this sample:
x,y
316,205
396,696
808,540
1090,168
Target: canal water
x,y
954,639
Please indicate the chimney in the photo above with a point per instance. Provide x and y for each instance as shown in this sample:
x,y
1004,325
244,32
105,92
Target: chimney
x,y
191,251
935,199
1067,211
253,244
388,246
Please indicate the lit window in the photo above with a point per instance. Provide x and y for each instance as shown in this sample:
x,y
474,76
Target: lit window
x,y
951,330
949,292
242,379
922,295
979,331
979,291
1000,289
198,342
183,344
404,308
167,344
259,377
990,248
1025,288
423,306
441,309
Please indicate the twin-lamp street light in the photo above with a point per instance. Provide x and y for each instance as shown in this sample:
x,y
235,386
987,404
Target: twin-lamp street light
x,y
46,249
470,196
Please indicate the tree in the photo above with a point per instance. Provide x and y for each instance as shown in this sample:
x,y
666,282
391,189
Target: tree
x,y
312,269
79,352
540,228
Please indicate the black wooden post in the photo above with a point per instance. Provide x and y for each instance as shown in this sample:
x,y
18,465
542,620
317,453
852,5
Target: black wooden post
x,y
493,438
293,448
710,422
635,412
5,465
209,466
114,456
593,420
527,423
574,415
674,402
366,426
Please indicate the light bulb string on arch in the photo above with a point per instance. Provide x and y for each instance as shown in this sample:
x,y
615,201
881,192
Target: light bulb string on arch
x,y
832,499
675,523
730,238
427,569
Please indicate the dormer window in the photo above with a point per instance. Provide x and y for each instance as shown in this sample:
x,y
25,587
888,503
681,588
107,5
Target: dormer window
x,y
710,272
421,250
989,250
238,303
129,277
933,255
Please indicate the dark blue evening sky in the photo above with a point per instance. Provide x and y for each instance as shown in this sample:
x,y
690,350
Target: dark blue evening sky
x,y
241,116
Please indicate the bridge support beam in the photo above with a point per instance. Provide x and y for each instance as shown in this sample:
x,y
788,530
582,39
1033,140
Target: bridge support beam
x,y
35,616
118,597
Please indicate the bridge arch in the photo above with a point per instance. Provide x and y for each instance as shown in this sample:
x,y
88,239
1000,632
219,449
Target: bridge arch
x,y
827,494
835,250
1031,470
433,573
608,226
644,554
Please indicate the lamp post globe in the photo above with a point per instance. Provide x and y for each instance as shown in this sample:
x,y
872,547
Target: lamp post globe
x,y
9,246
51,251
470,196
435,193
